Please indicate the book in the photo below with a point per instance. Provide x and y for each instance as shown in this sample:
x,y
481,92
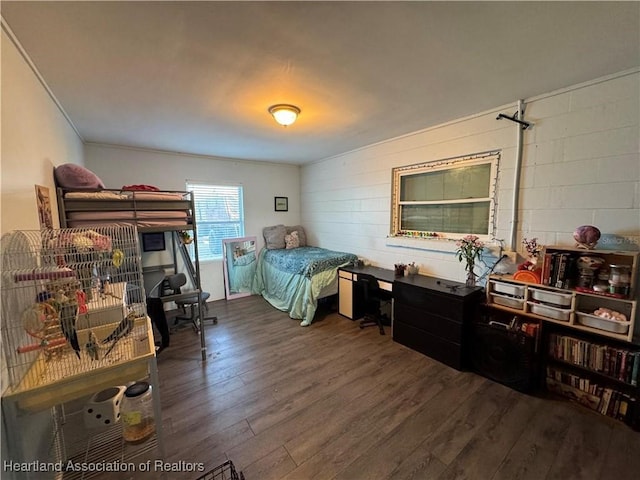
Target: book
x,y
624,404
607,360
554,268
560,274
615,400
570,272
617,359
636,367
604,402
546,269
630,360
623,366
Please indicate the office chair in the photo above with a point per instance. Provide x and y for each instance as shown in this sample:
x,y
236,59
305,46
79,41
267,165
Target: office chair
x,y
372,301
172,285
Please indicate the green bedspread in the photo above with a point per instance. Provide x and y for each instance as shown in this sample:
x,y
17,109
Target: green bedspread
x,y
294,286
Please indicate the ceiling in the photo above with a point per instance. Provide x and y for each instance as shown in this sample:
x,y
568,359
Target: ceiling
x,y
198,77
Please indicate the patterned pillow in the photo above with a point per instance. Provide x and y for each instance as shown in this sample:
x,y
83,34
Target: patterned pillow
x,y
292,240
301,234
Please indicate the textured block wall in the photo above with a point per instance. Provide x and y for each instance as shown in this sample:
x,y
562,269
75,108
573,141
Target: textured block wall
x,y
581,165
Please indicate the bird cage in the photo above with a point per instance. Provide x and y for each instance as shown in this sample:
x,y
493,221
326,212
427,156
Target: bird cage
x,y
72,305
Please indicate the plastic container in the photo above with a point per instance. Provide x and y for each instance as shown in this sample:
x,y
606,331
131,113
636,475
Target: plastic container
x,y
507,288
552,298
506,301
138,424
549,312
606,324
620,279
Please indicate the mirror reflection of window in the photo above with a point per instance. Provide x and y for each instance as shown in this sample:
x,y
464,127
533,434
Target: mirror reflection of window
x,y
240,259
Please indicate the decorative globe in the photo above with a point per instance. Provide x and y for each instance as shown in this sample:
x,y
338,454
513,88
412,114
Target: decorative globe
x,y
586,236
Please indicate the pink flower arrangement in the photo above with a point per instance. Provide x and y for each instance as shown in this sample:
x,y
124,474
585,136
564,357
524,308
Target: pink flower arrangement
x,y
469,249
532,247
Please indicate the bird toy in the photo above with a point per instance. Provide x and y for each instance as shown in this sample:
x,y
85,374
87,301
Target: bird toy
x,y
41,321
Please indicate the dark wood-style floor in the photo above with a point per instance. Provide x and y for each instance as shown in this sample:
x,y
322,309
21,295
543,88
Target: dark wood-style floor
x,y
332,401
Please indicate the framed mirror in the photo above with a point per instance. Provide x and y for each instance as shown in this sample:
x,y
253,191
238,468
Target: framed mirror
x,y
239,264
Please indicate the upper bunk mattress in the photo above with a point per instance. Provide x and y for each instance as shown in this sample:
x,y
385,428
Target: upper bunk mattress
x,y
124,195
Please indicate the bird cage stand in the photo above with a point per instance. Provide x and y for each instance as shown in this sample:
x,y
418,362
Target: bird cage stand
x,y
74,323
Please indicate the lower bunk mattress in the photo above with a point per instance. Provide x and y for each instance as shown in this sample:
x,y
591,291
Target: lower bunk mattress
x,y
155,218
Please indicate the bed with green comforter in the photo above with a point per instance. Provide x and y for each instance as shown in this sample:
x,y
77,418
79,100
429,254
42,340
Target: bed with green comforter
x,y
292,280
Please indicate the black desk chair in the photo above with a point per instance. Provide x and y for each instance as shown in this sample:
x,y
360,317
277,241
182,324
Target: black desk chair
x,y
373,299
172,285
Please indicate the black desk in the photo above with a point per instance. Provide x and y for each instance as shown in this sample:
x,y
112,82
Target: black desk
x,y
430,315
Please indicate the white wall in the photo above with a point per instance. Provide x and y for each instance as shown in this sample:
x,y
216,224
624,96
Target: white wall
x,y
35,138
581,165
261,182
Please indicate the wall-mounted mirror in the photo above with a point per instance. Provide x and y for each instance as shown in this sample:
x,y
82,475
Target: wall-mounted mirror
x,y
239,266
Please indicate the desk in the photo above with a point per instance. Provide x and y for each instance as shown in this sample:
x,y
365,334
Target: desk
x,y
350,298
430,315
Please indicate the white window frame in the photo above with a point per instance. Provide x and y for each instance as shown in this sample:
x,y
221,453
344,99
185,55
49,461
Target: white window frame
x,y
492,158
204,253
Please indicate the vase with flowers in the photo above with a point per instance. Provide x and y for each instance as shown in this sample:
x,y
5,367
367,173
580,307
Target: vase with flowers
x,y
469,250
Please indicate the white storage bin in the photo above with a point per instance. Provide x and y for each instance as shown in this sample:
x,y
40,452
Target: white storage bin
x,y
606,324
507,288
507,301
550,312
554,298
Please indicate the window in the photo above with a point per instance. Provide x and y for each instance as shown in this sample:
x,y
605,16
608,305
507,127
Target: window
x,y
451,197
219,214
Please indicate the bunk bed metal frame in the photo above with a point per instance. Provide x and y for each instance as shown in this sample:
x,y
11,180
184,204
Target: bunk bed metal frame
x,y
137,203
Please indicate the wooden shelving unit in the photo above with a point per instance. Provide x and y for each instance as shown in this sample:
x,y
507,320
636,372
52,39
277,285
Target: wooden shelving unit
x,y
561,313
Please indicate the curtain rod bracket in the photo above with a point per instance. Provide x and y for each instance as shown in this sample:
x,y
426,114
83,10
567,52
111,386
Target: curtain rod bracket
x,y
514,118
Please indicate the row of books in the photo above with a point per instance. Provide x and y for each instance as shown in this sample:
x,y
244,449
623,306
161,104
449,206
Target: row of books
x,y
559,269
607,401
619,363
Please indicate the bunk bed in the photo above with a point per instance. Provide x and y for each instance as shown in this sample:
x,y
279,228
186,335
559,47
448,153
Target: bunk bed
x,y
149,211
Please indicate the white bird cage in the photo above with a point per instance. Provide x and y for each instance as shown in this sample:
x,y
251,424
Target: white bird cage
x,y
73,303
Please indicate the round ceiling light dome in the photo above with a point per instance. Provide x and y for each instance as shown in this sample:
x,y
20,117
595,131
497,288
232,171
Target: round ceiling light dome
x,y
284,114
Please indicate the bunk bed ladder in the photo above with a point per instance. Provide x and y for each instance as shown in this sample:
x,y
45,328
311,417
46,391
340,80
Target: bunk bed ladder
x,y
186,259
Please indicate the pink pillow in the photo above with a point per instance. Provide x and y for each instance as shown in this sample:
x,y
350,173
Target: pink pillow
x,y
70,175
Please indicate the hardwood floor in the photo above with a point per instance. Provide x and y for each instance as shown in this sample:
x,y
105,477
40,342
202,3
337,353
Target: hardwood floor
x,y
332,401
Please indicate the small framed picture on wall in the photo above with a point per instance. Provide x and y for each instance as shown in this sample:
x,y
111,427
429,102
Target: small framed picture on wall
x,y
43,201
282,204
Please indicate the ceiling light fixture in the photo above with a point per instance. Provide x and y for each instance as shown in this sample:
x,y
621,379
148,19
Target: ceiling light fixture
x,y
284,114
